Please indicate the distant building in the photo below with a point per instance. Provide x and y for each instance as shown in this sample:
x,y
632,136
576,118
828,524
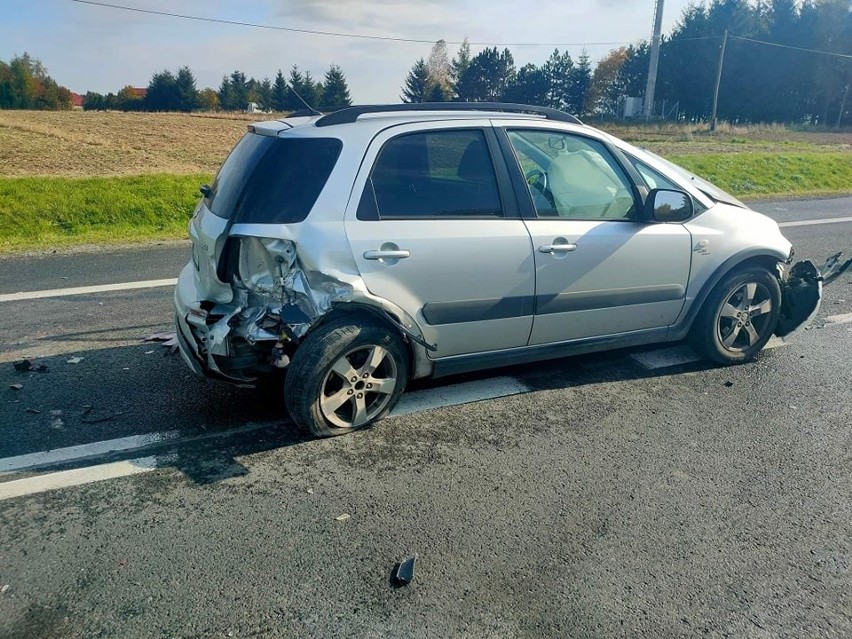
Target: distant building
x,y
139,92
76,101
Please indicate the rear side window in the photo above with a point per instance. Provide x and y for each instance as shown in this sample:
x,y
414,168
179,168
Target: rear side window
x,y
268,180
433,174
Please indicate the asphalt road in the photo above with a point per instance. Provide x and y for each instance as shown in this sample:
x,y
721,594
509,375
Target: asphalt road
x,y
615,498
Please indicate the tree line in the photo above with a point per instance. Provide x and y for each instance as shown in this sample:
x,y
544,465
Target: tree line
x,y
24,84
169,91
491,76
760,83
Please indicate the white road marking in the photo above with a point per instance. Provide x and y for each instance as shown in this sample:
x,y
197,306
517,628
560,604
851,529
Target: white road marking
x,y
828,220
680,355
845,318
456,394
133,443
85,290
666,357
84,451
77,477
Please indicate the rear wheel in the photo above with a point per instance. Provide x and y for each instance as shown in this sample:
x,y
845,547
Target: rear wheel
x,y
345,376
739,316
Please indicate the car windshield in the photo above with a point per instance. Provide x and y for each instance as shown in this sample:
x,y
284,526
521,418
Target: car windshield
x,y
708,188
270,180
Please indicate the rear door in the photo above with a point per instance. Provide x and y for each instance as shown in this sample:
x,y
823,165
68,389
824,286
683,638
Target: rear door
x,y
600,270
435,229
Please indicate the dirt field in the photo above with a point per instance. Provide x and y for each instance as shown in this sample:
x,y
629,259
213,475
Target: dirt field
x,y
84,143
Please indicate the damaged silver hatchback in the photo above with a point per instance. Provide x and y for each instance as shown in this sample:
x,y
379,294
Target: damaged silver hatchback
x,y
351,252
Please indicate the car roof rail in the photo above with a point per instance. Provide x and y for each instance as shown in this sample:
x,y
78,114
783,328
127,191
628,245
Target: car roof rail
x,y
347,116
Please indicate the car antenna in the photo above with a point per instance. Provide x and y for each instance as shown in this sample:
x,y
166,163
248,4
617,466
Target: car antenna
x,y
310,108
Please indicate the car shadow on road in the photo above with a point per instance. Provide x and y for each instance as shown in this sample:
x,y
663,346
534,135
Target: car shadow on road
x,y
143,389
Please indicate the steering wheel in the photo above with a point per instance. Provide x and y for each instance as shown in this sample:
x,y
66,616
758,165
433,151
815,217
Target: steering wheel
x,y
538,179
537,182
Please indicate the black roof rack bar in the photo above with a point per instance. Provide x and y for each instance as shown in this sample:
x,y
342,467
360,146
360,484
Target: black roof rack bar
x,y
346,116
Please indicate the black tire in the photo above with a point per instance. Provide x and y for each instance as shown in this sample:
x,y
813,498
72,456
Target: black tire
x,y
730,328
315,383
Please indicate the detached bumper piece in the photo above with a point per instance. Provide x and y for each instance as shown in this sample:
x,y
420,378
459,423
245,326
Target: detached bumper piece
x,y
801,292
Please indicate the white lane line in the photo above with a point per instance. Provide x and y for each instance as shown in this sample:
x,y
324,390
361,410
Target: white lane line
x,y
133,443
839,319
666,357
85,290
456,394
828,220
680,355
77,477
85,451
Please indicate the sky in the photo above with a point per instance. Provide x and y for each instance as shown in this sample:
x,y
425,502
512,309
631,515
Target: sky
x,y
91,48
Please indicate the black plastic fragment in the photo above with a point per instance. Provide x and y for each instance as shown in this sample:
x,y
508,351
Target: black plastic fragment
x,y
25,366
403,572
832,269
800,299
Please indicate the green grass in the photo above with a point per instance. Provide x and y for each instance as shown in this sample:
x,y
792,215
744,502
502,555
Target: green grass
x,y
48,212
754,175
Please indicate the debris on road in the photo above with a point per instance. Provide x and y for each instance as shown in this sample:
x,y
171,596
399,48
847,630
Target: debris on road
x,y
25,366
728,384
34,411
403,572
56,421
16,386
148,353
97,419
4,589
343,517
168,340
310,491
75,360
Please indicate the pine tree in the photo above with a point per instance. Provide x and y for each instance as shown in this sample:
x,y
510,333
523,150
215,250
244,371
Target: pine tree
x,y
416,83
187,93
226,95
279,92
335,92
458,68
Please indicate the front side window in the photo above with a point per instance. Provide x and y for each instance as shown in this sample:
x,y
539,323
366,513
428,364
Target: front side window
x,y
433,174
572,177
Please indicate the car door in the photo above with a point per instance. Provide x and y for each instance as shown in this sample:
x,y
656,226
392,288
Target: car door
x,y
600,269
435,231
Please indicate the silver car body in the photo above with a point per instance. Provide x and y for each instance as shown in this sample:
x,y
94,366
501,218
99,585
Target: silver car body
x,y
466,293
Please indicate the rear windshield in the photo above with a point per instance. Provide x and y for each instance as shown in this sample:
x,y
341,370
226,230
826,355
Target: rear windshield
x,y
269,180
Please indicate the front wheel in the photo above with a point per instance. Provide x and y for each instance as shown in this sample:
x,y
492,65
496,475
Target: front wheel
x,y
345,376
739,316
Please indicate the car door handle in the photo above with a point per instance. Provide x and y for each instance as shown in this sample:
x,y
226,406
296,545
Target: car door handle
x,y
399,254
557,248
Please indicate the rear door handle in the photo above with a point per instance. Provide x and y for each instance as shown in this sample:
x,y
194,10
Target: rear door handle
x,y
399,254
557,248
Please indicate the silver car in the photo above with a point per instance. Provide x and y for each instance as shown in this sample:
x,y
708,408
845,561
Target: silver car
x,y
351,252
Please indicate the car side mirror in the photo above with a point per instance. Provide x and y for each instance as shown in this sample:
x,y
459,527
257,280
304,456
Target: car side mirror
x,y
665,205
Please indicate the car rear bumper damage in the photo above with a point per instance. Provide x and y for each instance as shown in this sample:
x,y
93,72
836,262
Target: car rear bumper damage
x,y
275,303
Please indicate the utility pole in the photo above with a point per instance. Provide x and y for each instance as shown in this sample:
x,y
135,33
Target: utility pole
x,y
842,107
718,81
655,60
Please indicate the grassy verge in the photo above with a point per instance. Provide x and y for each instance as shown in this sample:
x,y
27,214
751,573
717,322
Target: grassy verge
x,y
760,175
46,212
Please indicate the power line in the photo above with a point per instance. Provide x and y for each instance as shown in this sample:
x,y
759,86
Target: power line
x,y
787,46
360,36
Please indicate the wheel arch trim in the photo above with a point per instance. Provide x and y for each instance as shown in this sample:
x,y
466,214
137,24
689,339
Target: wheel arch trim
x,y
754,256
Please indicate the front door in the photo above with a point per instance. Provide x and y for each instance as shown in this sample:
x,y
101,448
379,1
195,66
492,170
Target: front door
x,y
433,231
599,271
